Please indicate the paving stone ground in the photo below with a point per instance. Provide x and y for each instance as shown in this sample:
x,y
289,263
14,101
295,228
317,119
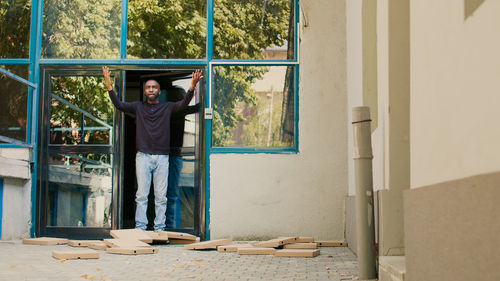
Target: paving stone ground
x,y
33,262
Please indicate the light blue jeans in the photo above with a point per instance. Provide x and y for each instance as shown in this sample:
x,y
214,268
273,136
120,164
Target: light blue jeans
x,y
147,165
174,173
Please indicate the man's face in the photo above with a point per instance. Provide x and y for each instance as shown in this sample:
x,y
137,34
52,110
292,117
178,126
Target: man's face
x,y
152,90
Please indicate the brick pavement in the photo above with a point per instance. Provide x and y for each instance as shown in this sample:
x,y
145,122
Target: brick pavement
x,y
173,262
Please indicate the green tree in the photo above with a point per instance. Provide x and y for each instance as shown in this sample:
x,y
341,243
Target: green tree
x,y
87,93
167,29
177,29
14,28
242,30
81,29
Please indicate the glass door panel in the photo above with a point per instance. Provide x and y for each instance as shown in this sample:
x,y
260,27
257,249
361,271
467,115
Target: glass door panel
x,y
78,184
80,190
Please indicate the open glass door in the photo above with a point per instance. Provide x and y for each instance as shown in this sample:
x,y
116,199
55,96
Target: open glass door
x,y
87,153
186,151
79,171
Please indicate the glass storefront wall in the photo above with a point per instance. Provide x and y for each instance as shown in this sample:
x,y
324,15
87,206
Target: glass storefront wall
x,y
247,48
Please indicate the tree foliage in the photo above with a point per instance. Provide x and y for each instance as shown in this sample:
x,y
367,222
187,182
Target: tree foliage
x,y
81,29
243,29
14,28
14,101
89,94
166,29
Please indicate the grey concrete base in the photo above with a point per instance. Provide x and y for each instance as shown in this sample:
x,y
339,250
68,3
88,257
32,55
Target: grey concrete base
x,y
391,227
452,230
350,221
392,268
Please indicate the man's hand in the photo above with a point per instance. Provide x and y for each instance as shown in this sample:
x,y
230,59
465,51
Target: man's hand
x,y
107,77
196,78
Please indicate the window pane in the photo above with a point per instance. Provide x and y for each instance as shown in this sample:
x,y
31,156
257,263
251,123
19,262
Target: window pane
x,y
172,29
14,103
80,190
253,29
14,28
81,112
253,106
81,29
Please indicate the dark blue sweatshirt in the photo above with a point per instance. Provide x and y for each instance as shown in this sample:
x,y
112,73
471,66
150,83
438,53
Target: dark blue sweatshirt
x,y
152,122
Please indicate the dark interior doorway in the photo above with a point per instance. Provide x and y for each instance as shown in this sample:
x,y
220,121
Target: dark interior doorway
x,y
189,210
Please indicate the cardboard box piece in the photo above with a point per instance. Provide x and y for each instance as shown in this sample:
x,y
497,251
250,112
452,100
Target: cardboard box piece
x,y
100,245
158,237
331,243
302,239
75,255
207,244
45,241
178,235
125,243
132,251
301,246
274,243
256,251
233,247
297,253
81,243
131,234
183,241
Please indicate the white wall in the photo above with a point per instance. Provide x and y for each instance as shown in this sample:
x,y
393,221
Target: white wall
x,y
266,195
16,204
455,96
354,76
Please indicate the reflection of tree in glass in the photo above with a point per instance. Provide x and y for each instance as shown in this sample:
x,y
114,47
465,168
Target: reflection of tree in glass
x,y
255,129
14,28
242,30
89,94
81,29
167,29
14,105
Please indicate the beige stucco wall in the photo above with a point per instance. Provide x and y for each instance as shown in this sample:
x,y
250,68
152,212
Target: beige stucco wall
x,y
454,90
16,205
266,195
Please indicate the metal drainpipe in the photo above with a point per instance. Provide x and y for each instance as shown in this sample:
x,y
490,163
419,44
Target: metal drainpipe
x,y
364,192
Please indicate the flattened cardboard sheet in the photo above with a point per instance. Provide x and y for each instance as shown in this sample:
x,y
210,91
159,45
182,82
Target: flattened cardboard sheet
x,y
303,239
158,236
124,243
182,241
233,247
45,241
274,243
331,243
100,245
81,243
75,255
300,253
178,235
131,234
132,251
208,244
301,246
256,251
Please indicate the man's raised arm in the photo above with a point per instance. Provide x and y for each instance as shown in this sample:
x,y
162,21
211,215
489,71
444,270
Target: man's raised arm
x,y
180,105
123,106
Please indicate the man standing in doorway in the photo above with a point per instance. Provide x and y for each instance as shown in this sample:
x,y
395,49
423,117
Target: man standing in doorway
x,y
152,144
